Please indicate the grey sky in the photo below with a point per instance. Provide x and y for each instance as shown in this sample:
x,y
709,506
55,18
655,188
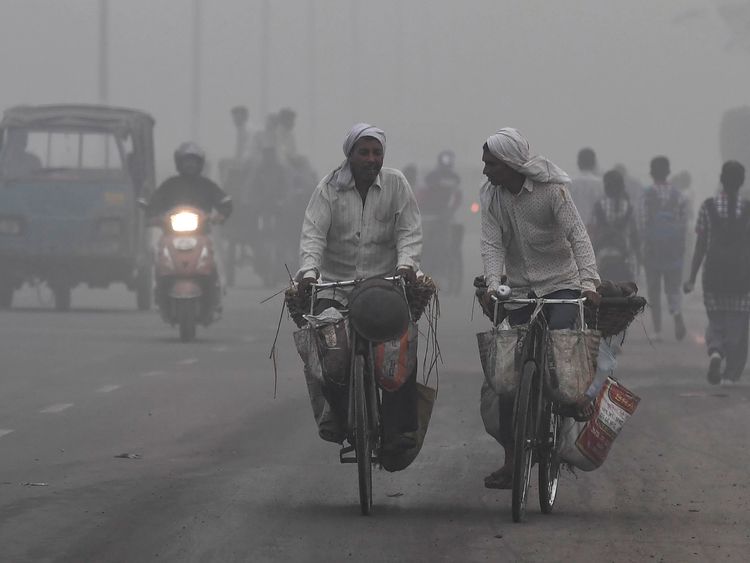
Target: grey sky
x,y
631,79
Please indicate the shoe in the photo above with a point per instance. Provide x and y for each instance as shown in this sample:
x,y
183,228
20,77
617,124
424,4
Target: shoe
x,y
399,443
679,327
714,369
500,479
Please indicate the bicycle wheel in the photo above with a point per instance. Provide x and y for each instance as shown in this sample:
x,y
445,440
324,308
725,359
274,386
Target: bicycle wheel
x,y
524,438
362,444
549,459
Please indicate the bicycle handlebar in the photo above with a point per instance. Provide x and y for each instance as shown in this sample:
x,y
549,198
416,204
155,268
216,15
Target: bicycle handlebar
x,y
347,283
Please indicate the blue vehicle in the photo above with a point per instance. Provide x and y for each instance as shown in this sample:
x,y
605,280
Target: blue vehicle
x,y
70,176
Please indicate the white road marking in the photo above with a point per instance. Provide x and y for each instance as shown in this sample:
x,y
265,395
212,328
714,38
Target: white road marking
x,y
5,431
153,373
188,361
219,349
59,407
108,388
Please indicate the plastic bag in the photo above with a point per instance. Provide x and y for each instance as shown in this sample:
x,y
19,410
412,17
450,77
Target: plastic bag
x,y
585,445
395,360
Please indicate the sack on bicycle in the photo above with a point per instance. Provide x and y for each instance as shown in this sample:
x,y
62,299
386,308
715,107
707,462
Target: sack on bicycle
x,y
585,445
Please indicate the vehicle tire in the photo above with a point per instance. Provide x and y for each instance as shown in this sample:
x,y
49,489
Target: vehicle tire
x,y
524,437
62,297
144,288
6,295
549,459
362,437
186,316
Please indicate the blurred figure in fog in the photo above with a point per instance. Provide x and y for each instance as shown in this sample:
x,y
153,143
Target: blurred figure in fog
x,y
632,185
613,231
683,181
586,188
245,138
441,194
664,212
18,161
723,240
410,173
285,142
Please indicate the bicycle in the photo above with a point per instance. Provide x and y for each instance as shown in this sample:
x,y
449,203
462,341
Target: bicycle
x,y
364,425
536,424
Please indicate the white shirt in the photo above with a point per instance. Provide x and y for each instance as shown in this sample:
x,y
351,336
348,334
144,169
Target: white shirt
x,y
586,190
537,237
344,239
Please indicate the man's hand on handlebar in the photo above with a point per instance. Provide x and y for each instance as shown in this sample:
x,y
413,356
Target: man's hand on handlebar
x,y
409,275
592,297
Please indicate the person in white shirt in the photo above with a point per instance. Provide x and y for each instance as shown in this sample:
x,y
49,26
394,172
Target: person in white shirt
x,y
587,187
363,221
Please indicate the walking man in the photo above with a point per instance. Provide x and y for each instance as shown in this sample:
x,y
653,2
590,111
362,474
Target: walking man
x,y
664,213
723,240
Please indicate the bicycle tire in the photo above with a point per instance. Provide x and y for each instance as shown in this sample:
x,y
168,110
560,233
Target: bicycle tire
x,y
549,459
362,443
524,438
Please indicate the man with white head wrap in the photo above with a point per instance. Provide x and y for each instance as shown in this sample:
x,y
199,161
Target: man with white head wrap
x,y
363,221
531,233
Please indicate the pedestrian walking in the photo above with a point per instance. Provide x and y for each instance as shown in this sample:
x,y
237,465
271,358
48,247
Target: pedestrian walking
x,y
722,246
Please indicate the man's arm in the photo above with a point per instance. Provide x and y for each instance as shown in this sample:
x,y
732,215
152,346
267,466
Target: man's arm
x,y
701,246
491,241
408,227
575,231
315,228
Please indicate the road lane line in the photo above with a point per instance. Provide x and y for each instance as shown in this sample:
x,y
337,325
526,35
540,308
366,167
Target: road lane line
x,y
153,373
5,431
187,362
59,407
108,388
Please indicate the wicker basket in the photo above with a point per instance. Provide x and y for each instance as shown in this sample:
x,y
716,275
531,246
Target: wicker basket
x,y
614,314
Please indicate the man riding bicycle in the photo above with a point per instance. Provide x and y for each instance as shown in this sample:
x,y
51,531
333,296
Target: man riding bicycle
x,y
532,233
362,221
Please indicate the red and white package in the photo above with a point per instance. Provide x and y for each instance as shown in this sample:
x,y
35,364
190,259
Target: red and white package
x,y
585,445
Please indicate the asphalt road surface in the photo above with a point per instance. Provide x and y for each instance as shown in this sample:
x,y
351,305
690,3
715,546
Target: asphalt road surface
x,y
213,468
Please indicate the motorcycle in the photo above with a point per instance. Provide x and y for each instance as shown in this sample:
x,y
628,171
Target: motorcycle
x,y
187,291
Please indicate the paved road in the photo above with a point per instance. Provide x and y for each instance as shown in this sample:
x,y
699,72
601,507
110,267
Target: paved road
x,y
222,471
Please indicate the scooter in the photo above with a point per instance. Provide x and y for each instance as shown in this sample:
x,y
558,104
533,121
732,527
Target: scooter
x,y
187,291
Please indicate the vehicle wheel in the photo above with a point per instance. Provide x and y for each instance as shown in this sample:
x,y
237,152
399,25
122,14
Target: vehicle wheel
x,y
187,320
549,459
362,442
144,288
524,438
62,297
6,296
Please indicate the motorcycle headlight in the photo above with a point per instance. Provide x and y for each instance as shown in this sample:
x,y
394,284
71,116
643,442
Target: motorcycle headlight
x,y
11,226
184,221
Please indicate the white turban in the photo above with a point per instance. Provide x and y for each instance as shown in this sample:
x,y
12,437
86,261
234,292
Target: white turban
x,y
343,176
510,146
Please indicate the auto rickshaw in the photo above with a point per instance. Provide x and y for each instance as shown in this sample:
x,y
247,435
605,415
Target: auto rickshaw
x,y
70,176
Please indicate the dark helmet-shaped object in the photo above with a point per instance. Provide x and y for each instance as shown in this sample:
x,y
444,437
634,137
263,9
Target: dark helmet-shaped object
x,y
189,150
378,310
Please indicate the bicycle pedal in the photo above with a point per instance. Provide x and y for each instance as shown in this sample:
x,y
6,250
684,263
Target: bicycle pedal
x,y
347,450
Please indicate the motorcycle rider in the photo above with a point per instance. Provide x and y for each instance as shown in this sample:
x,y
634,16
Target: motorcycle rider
x,y
442,194
190,188
363,221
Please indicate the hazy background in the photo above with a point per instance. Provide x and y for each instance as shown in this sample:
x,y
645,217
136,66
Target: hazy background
x,y
631,79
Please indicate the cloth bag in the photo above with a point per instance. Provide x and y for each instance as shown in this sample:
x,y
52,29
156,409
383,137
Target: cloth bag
x,y
585,445
397,461
500,354
572,358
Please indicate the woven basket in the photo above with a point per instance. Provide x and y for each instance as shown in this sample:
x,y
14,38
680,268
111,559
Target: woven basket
x,y
614,314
